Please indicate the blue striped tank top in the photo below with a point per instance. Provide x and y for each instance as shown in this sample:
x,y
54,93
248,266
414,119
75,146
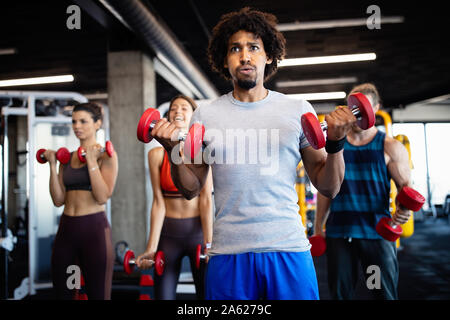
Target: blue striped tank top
x,y
364,196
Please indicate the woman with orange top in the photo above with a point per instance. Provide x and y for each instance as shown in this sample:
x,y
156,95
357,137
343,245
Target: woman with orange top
x,y
177,225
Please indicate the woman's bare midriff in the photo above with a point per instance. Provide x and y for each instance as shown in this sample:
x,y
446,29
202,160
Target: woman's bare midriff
x,y
81,203
180,208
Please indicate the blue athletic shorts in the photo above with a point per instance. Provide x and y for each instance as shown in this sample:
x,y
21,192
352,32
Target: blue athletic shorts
x,y
266,275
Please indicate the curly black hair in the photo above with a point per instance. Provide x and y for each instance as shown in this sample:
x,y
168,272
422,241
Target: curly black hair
x,y
262,24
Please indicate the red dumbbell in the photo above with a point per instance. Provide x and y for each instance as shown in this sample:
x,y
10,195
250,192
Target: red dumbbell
x,y
407,198
109,149
360,107
318,245
199,256
193,139
62,155
129,262
81,293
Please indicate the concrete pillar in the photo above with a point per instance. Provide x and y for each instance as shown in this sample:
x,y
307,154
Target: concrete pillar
x,y
131,89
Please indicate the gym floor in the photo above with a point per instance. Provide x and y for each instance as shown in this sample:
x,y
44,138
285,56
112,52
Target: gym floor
x,y
424,262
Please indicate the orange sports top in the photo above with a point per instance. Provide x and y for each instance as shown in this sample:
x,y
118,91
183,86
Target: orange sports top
x,y
167,186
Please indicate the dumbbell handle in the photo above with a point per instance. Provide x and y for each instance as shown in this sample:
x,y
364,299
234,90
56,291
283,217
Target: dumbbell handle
x,y
355,110
133,261
83,153
181,135
108,149
391,222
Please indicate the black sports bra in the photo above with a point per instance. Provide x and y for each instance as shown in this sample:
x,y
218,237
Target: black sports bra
x,y
76,178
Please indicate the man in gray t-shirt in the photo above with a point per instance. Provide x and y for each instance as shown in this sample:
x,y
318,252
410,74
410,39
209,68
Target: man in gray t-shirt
x,y
254,142
253,149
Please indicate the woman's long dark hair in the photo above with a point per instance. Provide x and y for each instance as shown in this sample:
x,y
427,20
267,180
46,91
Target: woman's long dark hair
x,y
93,108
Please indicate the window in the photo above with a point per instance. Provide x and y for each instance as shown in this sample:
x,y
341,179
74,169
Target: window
x,y
437,135
429,158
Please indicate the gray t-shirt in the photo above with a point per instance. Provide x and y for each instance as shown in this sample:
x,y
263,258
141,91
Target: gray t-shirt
x,y
254,149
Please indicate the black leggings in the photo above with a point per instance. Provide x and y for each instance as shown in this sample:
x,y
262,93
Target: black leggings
x,y
179,238
83,241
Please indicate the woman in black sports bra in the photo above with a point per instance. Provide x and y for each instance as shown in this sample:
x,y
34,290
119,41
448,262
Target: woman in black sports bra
x,y
84,234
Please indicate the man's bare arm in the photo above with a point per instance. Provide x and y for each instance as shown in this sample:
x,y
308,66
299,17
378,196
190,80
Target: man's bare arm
x,y
322,212
326,172
398,167
189,178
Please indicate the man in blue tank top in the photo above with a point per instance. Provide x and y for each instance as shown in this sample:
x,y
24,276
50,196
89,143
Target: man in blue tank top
x,y
372,159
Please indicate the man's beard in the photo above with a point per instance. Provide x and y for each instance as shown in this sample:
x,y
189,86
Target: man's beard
x,y
246,84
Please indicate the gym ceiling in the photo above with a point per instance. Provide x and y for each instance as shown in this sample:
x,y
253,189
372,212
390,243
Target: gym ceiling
x,y
411,63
